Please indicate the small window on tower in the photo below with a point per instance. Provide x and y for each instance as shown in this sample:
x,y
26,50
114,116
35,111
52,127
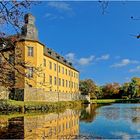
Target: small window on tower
x,y
30,51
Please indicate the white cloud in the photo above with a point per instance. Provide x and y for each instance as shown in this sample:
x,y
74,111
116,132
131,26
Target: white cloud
x,y
70,57
122,135
86,61
124,62
103,57
60,5
137,69
51,16
83,61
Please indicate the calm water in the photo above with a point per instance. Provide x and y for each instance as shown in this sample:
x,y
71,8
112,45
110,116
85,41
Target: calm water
x,y
116,121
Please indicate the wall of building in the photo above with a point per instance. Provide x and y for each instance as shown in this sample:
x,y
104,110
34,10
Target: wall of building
x,y
36,94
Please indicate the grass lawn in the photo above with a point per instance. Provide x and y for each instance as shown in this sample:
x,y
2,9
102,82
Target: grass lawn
x,y
105,101
17,106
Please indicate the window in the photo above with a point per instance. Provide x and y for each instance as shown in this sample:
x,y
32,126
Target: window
x,y
59,82
69,72
50,80
66,83
59,69
44,78
44,61
30,51
62,70
66,71
30,72
55,81
63,82
69,84
54,67
11,59
72,74
50,65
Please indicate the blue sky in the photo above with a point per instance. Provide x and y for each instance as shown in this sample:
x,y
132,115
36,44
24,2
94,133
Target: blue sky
x,y
101,46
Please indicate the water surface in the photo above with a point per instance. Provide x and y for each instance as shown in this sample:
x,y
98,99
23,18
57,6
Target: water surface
x,y
116,121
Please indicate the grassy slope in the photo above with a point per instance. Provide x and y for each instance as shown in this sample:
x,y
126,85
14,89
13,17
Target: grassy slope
x,y
104,101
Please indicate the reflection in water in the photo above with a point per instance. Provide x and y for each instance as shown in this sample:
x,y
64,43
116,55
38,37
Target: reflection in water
x,y
50,126
88,114
116,121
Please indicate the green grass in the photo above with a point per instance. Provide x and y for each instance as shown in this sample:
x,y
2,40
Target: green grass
x,y
103,101
106,101
20,106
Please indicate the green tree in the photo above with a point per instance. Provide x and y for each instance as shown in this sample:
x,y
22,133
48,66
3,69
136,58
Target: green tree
x,y
88,87
98,92
124,90
133,88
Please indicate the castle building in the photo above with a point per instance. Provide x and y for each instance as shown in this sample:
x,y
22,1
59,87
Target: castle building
x,y
46,75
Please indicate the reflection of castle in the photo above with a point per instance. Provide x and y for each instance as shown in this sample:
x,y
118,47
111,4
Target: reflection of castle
x,y
51,126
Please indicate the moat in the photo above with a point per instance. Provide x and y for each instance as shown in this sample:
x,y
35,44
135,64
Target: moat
x,y
114,121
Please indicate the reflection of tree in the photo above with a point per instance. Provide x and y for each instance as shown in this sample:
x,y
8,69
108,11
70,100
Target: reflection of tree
x,y
136,120
14,129
89,116
3,126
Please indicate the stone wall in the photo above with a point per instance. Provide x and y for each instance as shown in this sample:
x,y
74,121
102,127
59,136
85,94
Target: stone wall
x,y
33,94
4,93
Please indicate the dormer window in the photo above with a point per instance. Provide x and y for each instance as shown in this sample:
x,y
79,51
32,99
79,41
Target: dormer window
x,y
50,52
58,57
70,63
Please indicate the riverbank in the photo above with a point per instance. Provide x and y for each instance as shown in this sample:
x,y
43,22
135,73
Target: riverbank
x,y
107,101
20,106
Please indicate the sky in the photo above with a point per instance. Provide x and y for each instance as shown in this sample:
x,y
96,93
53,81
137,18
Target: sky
x,y
103,47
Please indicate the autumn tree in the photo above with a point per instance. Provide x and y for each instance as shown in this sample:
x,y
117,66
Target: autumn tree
x,y
111,90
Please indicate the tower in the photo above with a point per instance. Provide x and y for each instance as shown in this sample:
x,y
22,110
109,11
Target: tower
x,y
29,31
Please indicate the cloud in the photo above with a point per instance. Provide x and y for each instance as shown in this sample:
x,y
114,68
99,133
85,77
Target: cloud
x,y
86,61
122,135
103,57
124,62
70,57
137,69
83,61
60,5
51,16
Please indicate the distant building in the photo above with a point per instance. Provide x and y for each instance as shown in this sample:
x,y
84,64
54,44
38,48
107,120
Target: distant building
x,y
47,76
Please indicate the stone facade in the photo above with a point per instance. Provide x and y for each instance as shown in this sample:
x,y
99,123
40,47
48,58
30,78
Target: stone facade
x,y
33,94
